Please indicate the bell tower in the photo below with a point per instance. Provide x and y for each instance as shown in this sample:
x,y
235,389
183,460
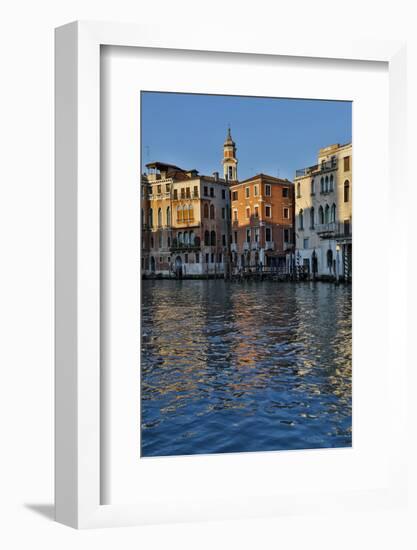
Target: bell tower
x,y
229,158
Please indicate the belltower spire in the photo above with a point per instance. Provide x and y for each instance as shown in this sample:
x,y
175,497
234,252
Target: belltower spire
x,y
229,157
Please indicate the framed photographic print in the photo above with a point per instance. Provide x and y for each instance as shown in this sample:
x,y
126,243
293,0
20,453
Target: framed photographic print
x,y
222,350
241,351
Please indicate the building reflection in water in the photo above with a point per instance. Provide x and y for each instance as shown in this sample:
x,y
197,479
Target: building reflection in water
x,y
251,367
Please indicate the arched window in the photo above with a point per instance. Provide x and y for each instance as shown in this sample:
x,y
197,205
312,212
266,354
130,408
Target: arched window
x,y
327,184
143,218
192,238
321,215
312,187
301,219
191,213
298,189
326,213
150,217
331,183
179,214
322,185
159,217
186,237
330,259
206,238
333,213
212,211
312,218
206,210
180,238
168,216
213,238
346,191
185,213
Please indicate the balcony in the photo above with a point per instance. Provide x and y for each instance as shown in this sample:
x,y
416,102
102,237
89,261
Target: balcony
x,y
326,230
269,245
325,166
335,230
305,171
185,247
186,221
233,247
246,246
328,165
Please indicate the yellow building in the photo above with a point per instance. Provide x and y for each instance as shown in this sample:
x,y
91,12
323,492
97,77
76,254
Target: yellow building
x,y
185,222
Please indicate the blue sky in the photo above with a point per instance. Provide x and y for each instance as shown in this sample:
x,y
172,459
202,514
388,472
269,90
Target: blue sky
x,y
274,136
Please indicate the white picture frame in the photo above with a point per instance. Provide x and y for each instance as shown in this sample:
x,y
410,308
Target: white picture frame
x,y
78,320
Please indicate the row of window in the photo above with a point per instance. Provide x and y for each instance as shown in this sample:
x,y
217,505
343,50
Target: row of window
x,y
185,213
185,193
325,215
159,218
159,189
210,193
326,186
209,259
210,212
268,213
187,238
268,235
267,192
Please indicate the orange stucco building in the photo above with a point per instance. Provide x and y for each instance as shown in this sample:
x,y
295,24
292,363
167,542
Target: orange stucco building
x,y
262,224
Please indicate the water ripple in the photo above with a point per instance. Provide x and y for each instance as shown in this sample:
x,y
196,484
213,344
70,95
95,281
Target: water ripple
x,y
252,367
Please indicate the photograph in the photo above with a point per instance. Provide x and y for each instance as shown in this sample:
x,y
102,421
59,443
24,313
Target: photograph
x,y
245,274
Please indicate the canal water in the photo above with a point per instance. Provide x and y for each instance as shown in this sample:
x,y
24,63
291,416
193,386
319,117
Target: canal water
x,y
237,367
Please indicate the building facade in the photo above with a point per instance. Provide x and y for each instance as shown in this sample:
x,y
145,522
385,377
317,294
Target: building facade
x,y
323,205
262,229
185,222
